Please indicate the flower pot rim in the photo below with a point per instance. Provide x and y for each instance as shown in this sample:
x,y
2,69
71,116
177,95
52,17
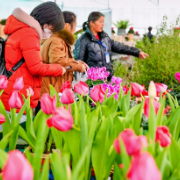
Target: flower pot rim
x,y
44,156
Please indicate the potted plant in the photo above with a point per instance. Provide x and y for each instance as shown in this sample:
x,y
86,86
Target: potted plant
x,y
136,33
122,25
2,25
176,31
131,34
113,31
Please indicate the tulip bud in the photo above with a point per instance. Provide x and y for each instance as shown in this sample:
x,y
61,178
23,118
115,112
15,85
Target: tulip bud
x,y
81,88
30,91
19,84
132,143
97,94
152,90
3,82
143,166
48,104
67,96
15,100
2,119
62,120
163,136
17,167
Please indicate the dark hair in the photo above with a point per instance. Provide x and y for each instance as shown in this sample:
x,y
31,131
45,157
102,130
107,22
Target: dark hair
x,y
49,13
94,16
69,17
150,28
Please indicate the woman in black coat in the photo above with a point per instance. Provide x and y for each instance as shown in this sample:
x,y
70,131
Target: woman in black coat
x,y
94,47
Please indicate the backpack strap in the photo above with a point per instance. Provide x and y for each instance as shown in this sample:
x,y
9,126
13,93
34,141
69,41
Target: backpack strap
x,y
16,66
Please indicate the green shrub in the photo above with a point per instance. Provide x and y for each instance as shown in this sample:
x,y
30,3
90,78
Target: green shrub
x,y
164,60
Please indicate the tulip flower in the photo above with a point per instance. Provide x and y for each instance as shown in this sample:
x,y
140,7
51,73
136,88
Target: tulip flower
x,y
132,143
62,120
136,89
143,167
156,106
15,100
81,88
19,84
177,76
67,96
160,88
152,90
30,91
163,136
17,167
3,82
97,93
67,85
48,104
2,119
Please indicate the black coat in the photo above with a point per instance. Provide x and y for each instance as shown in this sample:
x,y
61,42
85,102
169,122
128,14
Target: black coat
x,y
91,52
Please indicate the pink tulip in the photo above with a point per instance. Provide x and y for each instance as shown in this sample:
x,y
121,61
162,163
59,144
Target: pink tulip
x,y
30,91
132,143
67,96
160,88
62,120
19,84
136,89
81,88
48,104
156,106
2,119
3,82
65,85
163,136
143,167
97,93
17,167
15,100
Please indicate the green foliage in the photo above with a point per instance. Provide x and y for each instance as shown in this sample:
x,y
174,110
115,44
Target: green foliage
x,y
122,24
3,21
163,62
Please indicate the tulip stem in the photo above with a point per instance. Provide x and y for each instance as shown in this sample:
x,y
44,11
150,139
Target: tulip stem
x,y
92,100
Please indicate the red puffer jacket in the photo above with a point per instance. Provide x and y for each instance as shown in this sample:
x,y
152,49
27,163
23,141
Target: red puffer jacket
x,y
24,42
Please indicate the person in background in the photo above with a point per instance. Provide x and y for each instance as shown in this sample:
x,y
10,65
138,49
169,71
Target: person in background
x,y
25,32
150,36
57,50
95,47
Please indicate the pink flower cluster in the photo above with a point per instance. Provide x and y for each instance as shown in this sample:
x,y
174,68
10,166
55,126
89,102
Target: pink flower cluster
x,y
97,73
113,87
177,76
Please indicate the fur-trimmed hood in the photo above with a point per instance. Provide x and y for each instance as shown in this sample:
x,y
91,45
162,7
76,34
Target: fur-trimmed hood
x,y
66,36
20,19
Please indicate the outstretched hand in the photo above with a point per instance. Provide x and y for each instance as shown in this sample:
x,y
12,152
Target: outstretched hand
x,y
143,55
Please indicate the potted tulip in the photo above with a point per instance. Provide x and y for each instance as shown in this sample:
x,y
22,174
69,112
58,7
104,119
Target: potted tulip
x,y
122,25
131,34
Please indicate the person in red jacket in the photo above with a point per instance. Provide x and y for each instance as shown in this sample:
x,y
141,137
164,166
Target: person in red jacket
x,y
24,34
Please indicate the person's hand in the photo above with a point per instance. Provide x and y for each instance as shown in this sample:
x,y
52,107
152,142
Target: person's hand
x,y
82,62
64,70
83,69
143,55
